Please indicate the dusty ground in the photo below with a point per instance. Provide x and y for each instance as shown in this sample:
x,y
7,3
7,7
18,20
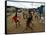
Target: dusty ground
x,y
11,26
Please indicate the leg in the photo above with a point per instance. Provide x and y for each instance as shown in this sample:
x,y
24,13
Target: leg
x,y
18,22
16,25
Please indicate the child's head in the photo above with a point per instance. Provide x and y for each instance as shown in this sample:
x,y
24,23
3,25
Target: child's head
x,y
31,11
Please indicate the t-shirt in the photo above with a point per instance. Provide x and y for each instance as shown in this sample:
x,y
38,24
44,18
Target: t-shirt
x,y
15,18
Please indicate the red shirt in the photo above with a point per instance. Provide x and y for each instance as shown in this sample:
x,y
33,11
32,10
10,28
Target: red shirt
x,y
15,18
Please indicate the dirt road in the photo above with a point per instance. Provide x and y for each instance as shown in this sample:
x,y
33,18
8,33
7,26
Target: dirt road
x,y
11,26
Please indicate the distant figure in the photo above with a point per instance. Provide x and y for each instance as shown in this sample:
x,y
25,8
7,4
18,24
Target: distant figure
x,y
29,19
16,20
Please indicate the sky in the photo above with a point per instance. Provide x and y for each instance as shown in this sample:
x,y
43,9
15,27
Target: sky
x,y
25,5
29,0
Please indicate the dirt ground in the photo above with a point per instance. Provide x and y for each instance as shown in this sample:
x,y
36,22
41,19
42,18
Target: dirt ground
x,y
11,26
